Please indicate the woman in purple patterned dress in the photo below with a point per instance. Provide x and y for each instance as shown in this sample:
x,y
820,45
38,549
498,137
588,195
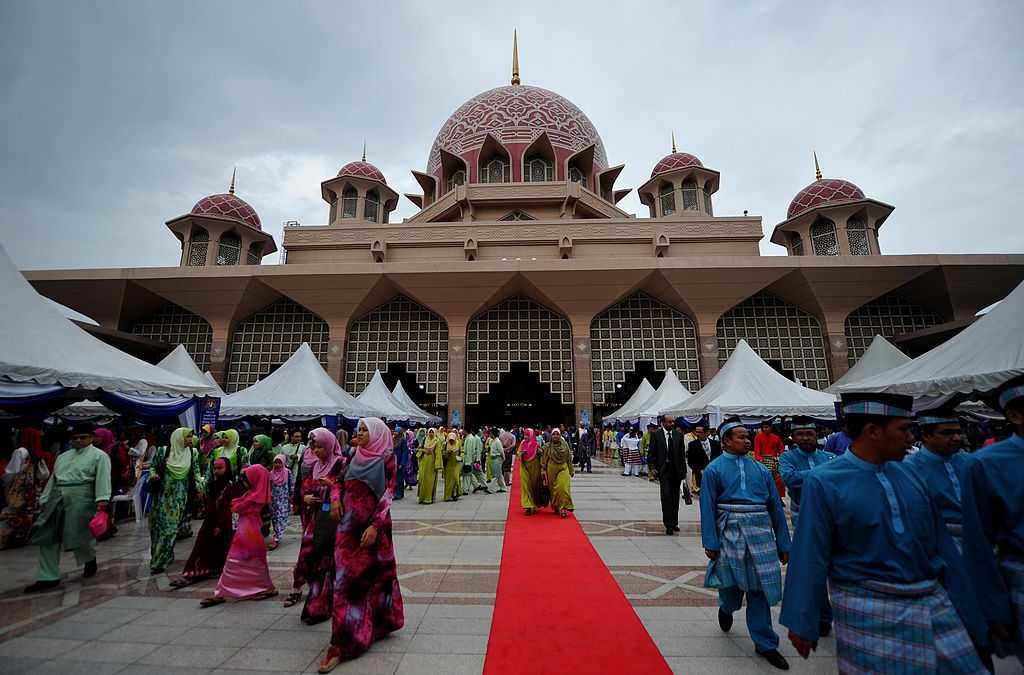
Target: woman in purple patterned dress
x,y
367,599
280,499
315,565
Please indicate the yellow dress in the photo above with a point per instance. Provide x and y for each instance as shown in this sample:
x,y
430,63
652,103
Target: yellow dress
x,y
531,481
429,461
452,471
559,475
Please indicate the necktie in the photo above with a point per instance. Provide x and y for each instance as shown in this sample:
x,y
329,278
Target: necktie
x,y
894,506
953,479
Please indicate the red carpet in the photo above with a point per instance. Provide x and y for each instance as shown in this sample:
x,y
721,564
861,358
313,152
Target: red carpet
x,y
558,608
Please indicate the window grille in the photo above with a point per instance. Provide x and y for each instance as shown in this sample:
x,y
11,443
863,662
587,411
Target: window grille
x,y
198,245
495,171
538,170
175,326
668,200
823,237
457,178
707,202
229,251
577,176
796,243
889,316
372,204
690,195
269,337
517,215
255,254
857,235
349,199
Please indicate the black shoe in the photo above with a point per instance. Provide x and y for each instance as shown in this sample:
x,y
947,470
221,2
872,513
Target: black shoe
x,y
669,531
775,658
40,586
90,569
724,621
824,629
676,528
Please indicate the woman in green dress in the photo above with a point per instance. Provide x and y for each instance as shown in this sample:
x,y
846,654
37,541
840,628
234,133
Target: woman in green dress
x,y
428,458
452,452
558,469
228,449
531,479
262,452
173,476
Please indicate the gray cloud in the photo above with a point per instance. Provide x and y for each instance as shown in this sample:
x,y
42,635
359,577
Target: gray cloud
x,y
118,116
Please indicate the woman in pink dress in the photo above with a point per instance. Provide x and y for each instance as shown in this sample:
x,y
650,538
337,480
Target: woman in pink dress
x,y
246,575
367,599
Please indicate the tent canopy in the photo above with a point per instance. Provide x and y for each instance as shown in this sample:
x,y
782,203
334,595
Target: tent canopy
x,y
180,362
671,393
299,388
979,359
379,397
402,397
642,393
881,356
42,347
749,387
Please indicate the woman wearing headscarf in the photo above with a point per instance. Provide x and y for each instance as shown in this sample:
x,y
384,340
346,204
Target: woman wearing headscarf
x,y
262,452
307,460
531,480
173,475
227,447
23,478
280,499
401,449
428,455
31,439
214,538
508,446
495,457
558,469
452,453
367,598
315,565
246,575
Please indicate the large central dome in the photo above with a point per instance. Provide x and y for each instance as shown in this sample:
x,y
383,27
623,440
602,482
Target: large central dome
x,y
516,114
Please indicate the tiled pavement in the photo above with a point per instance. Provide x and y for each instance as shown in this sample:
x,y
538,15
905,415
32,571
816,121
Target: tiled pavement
x,y
125,621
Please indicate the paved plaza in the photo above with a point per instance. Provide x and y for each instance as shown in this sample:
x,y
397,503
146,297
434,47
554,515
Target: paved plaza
x,y
126,621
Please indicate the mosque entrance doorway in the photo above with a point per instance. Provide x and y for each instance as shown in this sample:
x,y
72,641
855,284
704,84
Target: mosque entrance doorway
x,y
625,389
417,391
519,398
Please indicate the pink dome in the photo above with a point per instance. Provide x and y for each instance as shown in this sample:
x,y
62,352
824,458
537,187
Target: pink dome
x,y
228,206
362,170
517,114
824,192
677,160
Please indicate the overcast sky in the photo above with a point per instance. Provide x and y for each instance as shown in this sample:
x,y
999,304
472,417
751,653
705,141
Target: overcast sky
x,y
118,116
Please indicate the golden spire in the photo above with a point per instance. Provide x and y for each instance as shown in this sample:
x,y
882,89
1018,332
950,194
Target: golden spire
x,y
364,149
674,143
817,169
231,188
515,57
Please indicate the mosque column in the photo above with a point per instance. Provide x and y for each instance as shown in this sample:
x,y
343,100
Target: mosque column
x,y
337,337
582,377
456,373
707,345
837,350
219,351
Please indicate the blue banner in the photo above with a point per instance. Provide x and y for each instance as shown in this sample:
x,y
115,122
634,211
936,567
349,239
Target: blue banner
x,y
209,411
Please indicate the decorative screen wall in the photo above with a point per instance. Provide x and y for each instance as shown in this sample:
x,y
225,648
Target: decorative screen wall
x,y
399,331
518,330
776,331
269,337
640,328
888,316
177,326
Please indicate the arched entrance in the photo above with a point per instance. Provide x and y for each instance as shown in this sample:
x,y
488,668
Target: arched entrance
x,y
416,390
537,341
176,325
269,337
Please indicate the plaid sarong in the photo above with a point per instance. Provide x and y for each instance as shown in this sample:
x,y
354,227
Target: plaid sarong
x,y
749,557
1013,573
900,628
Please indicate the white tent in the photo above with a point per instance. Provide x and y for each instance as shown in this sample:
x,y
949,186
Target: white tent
x,y
379,397
180,362
749,387
642,393
980,358
402,397
670,394
208,376
881,356
300,388
42,347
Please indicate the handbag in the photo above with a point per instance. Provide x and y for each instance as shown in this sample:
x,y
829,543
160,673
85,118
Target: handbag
x,y
100,524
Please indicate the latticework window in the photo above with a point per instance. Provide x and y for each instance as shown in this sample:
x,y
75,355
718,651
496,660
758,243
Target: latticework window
x,y
796,243
857,234
517,215
518,331
349,202
495,171
707,202
198,245
776,331
399,331
823,237
457,178
640,328
888,316
667,195
269,337
371,206
690,192
538,170
255,254
175,326
229,250
577,176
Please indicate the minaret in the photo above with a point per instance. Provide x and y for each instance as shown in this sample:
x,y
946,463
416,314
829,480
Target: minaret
x,y
515,57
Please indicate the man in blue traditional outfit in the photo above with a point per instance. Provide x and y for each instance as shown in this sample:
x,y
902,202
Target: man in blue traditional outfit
x,y
993,517
745,536
868,527
78,488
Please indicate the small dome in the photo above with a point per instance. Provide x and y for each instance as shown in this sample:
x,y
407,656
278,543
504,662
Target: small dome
x,y
677,160
362,169
228,206
824,192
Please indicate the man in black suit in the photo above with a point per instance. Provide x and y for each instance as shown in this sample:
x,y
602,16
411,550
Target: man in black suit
x,y
668,457
700,452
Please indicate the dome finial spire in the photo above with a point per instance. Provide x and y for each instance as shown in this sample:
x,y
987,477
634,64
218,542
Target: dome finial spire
x,y
231,188
515,57
674,143
817,169
364,149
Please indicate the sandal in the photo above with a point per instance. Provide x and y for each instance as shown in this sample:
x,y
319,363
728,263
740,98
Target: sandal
x,y
293,598
181,583
331,660
272,545
264,595
210,602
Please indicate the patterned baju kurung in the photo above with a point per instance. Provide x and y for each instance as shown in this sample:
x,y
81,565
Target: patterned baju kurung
x,y
246,573
281,506
315,565
170,498
214,538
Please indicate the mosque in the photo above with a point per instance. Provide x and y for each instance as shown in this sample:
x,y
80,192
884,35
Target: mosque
x,y
520,291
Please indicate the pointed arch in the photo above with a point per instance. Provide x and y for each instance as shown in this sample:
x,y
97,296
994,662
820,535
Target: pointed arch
x,y
890,315
175,325
495,162
538,160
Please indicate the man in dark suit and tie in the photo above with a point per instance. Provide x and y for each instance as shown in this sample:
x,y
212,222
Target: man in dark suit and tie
x,y
668,457
700,452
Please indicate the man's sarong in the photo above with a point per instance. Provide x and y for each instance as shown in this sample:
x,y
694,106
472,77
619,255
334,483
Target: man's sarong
x,y
900,628
749,555
1013,573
